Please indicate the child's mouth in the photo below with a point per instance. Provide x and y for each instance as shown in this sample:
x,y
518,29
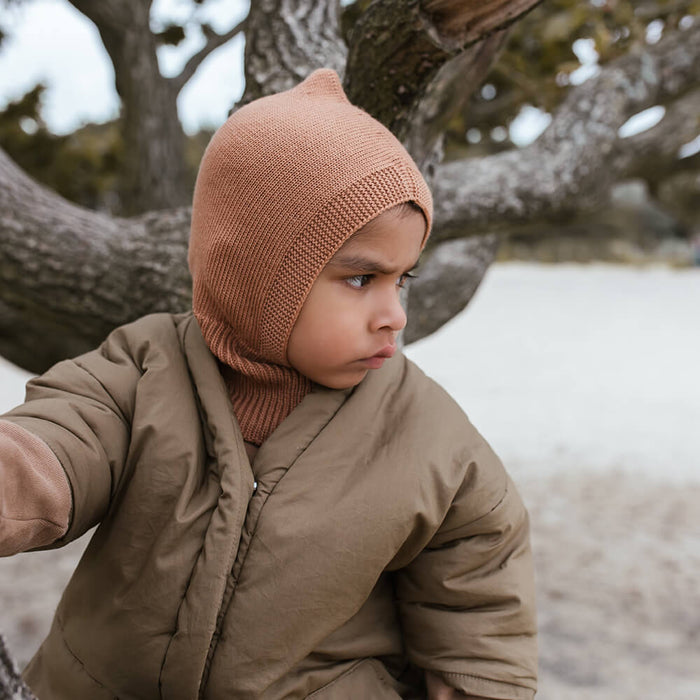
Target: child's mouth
x,y
377,360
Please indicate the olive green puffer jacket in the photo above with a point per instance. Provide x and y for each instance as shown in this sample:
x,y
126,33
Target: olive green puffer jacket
x,y
375,534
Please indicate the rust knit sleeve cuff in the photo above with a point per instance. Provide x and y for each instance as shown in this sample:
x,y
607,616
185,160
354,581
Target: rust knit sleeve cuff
x,y
35,496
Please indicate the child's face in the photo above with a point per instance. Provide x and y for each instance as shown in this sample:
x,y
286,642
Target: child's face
x,y
349,321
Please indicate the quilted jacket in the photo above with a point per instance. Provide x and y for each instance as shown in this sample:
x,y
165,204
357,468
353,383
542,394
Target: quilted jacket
x,y
375,534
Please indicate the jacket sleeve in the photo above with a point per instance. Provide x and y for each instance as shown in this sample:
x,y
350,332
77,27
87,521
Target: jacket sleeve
x,y
81,411
35,500
467,601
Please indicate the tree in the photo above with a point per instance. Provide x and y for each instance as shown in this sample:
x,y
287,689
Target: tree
x,y
153,136
69,275
12,687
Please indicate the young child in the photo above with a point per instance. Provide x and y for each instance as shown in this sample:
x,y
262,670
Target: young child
x,y
287,507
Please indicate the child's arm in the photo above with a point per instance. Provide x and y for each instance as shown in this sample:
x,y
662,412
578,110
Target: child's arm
x,y
467,600
62,452
35,500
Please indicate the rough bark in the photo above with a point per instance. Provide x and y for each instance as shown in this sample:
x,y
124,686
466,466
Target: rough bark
x,y
69,275
398,48
286,40
12,686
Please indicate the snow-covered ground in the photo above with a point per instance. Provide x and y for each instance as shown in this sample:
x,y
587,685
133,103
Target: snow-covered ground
x,y
568,367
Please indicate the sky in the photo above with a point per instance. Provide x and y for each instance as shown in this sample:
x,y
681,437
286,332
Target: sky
x,y
51,42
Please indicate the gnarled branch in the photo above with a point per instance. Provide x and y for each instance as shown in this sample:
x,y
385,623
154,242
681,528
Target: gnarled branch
x,y
214,41
572,165
12,687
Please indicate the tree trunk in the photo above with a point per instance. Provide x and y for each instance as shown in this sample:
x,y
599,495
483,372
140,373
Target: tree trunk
x,y
286,40
153,174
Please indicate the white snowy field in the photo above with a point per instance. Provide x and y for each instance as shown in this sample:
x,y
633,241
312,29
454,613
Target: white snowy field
x,y
568,367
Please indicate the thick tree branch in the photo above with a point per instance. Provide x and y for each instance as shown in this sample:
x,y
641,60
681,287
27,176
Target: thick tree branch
x,y
288,39
572,165
214,41
444,97
447,280
69,275
398,47
468,21
653,154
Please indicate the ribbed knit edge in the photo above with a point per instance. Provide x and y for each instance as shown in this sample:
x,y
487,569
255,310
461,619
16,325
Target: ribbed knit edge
x,y
262,401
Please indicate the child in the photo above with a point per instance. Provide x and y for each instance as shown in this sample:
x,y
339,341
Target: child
x,y
285,510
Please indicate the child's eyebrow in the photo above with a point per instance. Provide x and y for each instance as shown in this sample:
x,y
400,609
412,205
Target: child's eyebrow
x,y
361,264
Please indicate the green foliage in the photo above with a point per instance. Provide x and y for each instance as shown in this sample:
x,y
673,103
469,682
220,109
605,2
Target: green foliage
x,y
83,166
537,63
80,166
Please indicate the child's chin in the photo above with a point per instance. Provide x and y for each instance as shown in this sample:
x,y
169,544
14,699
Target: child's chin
x,y
345,382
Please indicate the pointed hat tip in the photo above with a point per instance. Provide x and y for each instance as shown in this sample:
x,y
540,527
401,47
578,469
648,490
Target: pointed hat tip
x,y
323,82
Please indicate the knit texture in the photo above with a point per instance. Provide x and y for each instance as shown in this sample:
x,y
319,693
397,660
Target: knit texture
x,y
282,185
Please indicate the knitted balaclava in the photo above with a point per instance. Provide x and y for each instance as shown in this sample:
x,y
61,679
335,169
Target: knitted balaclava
x,y
282,185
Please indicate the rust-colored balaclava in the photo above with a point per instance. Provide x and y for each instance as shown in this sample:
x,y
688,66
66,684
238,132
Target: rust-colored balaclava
x,y
282,185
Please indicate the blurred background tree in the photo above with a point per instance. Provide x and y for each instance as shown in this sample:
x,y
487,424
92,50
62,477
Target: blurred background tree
x,y
556,46
448,76
149,138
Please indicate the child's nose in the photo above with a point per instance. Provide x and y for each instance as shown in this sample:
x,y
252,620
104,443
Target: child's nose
x,y
390,314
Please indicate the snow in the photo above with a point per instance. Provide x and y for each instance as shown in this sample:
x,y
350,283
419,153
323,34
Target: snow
x,y
568,368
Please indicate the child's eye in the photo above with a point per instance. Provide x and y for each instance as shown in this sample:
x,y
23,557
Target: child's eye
x,y
403,280
359,281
